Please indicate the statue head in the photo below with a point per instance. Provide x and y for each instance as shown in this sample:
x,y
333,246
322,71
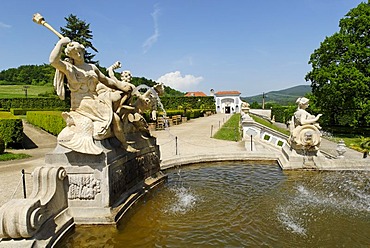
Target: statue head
x,y
126,76
75,50
159,88
302,102
308,138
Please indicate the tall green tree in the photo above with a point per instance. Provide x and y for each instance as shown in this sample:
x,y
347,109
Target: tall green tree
x,y
78,30
340,75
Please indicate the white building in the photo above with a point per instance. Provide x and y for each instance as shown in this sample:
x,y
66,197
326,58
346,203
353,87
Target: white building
x,y
228,102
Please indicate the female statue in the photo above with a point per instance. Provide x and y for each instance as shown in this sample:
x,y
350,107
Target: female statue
x,y
304,129
301,116
90,117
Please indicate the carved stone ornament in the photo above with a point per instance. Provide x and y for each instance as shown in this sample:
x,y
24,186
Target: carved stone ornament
x,y
83,187
22,218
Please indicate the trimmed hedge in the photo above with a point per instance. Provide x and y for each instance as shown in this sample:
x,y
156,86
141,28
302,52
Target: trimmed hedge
x,y
47,103
34,103
194,113
50,121
204,102
23,111
172,112
11,128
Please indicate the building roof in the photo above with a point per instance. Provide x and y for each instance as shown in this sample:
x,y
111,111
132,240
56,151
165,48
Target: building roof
x,y
231,92
195,93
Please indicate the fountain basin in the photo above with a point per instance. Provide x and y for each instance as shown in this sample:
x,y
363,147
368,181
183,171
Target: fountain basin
x,y
242,205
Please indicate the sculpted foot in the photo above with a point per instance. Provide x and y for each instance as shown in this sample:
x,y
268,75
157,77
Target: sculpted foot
x,y
129,148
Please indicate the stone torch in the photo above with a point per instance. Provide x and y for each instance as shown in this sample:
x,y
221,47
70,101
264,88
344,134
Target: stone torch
x,y
39,19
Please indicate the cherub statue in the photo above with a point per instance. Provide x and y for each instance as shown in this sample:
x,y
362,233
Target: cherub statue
x,y
121,100
131,103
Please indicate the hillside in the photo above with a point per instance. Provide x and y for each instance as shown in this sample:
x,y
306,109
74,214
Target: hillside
x,y
282,97
43,75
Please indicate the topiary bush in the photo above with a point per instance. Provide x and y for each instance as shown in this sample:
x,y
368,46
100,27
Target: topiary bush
x,y
11,128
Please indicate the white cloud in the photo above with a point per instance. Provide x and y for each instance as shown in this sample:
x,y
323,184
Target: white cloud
x,y
153,39
177,81
3,25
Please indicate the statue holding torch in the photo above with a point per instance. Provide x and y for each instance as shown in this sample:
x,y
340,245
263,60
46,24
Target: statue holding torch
x,y
90,118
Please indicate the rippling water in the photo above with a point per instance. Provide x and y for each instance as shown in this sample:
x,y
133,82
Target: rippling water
x,y
240,205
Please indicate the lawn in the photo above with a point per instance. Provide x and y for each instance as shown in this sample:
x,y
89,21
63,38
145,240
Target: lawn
x,y
230,130
17,91
12,156
352,141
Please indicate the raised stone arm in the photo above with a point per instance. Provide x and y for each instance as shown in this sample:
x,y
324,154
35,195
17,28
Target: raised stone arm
x,y
111,69
56,53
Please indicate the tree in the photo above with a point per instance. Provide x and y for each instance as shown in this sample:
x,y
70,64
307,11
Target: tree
x,y
255,105
79,31
340,75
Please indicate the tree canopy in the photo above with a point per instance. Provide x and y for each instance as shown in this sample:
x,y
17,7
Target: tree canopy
x,y
340,75
28,74
79,31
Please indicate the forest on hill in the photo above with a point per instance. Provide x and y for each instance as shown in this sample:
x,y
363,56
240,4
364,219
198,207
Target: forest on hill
x,y
282,97
43,75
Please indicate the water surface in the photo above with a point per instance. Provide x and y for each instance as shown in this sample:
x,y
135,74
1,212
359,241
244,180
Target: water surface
x,y
243,205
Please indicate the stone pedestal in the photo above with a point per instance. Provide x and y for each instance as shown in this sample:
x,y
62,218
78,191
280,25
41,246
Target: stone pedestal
x,y
99,186
299,159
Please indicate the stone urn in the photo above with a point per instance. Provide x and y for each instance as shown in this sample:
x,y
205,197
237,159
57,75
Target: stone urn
x,y
341,149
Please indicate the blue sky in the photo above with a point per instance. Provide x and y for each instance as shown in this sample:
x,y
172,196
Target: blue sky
x,y
191,45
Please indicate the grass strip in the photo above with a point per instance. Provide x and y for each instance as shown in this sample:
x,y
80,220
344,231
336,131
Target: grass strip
x,y
269,124
230,130
13,156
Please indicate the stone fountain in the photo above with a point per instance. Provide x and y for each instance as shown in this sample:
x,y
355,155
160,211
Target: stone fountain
x,y
105,158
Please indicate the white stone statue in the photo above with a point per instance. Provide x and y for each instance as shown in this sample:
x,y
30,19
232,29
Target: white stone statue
x,y
131,105
304,129
148,100
90,117
125,99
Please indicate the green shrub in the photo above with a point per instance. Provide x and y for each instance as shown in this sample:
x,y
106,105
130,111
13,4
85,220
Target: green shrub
x,y
193,113
283,113
11,128
2,146
50,121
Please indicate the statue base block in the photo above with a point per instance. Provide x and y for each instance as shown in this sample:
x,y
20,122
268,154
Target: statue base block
x,y
101,187
299,159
